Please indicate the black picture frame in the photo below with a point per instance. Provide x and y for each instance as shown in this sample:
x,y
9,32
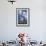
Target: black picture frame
x,y
22,17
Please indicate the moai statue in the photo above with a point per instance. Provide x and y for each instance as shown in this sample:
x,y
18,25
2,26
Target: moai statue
x,y
21,36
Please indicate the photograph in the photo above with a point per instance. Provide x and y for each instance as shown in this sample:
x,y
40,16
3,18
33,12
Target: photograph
x,y
22,16
22,22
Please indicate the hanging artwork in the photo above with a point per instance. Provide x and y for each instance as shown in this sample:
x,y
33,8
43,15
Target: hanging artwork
x,y
22,17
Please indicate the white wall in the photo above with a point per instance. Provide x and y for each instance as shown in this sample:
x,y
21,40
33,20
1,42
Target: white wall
x,y
37,29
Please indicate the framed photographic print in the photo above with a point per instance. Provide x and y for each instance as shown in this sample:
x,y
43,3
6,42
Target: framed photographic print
x,y
22,17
